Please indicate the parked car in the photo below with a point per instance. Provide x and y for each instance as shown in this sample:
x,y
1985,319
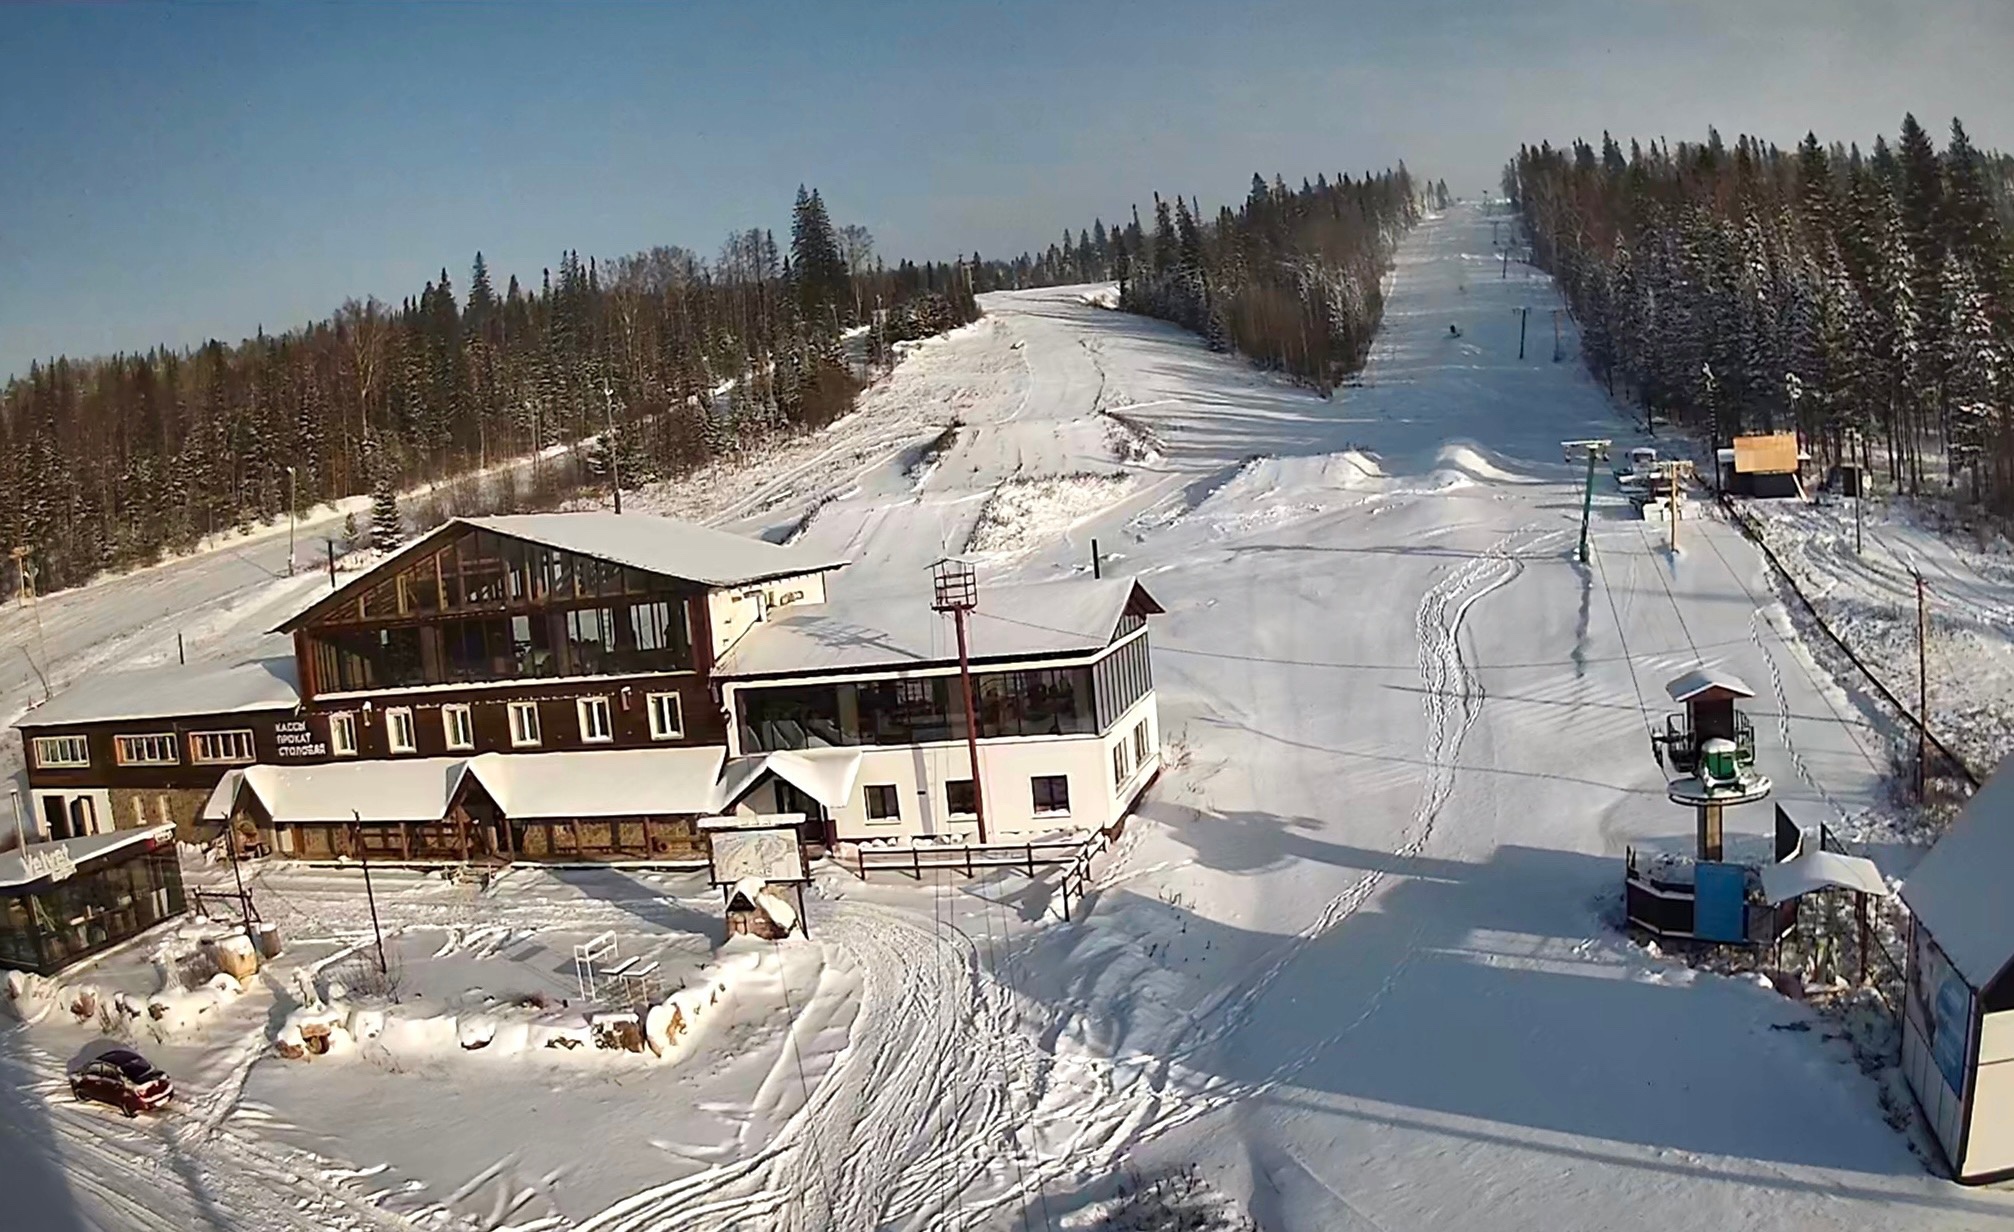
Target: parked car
x,y
124,1079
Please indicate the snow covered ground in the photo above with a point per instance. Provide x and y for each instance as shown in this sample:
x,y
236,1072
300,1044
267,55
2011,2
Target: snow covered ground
x,y
1357,962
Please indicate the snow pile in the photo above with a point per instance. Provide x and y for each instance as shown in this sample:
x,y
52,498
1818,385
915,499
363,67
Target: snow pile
x,y
1023,513
1471,461
1102,297
179,1013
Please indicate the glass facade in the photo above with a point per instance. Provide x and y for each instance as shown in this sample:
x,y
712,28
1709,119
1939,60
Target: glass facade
x,y
1123,677
487,607
102,904
1050,702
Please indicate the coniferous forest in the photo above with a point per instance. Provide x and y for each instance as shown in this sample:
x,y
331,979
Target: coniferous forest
x,y
1825,289
1289,279
666,358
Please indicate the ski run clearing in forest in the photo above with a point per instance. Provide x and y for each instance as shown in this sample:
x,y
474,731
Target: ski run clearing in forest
x,y
1356,962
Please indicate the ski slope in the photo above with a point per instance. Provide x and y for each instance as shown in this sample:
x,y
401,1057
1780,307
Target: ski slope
x,y
1358,958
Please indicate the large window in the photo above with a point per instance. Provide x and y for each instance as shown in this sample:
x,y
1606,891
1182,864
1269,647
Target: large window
x,y
225,748
153,749
1051,793
54,751
959,798
1048,702
1121,767
1123,678
492,608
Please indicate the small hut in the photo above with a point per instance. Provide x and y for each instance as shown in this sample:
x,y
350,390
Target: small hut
x,y
1958,1013
1764,465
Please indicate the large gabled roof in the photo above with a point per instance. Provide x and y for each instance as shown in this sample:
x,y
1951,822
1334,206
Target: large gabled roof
x,y
638,540
174,691
1959,890
1029,621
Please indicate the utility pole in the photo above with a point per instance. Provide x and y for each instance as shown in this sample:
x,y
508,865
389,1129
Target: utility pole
x,y
1596,451
1557,353
1096,570
1523,316
244,899
1506,270
608,442
1922,686
332,562
955,589
292,505
1859,484
364,857
1675,473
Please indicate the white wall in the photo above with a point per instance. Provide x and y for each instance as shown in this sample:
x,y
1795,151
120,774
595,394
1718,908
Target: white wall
x,y
1990,1148
732,613
919,772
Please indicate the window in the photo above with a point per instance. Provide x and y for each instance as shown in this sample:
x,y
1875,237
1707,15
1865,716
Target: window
x,y
882,802
1052,793
523,724
1140,742
666,720
1121,767
221,748
156,749
399,733
459,728
343,734
959,798
53,751
594,722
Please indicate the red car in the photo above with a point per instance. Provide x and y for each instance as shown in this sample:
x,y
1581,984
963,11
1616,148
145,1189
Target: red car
x,y
124,1079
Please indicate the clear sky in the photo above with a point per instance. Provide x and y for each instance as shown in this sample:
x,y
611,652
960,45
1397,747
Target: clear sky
x,y
170,173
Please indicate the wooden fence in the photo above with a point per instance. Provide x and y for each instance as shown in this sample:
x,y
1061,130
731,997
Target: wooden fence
x,y
1073,856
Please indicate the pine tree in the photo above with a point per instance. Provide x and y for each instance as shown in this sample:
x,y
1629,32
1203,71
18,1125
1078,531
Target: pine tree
x,y
387,528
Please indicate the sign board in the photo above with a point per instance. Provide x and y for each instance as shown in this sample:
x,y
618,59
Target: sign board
x,y
1719,894
773,855
293,739
1774,454
53,862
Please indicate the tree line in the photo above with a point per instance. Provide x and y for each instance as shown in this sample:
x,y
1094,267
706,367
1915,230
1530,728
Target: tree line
x,y
1290,278
1850,296
656,363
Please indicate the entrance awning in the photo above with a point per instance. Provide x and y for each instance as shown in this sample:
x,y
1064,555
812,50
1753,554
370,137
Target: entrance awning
x,y
615,783
1820,870
826,775
381,792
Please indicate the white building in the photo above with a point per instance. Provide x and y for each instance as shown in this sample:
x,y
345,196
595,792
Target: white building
x,y
1958,1013
1063,691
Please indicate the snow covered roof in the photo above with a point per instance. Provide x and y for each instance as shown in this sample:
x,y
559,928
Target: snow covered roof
x,y
1701,680
21,867
826,775
1028,621
661,545
639,540
1959,890
607,783
1817,869
172,692
372,791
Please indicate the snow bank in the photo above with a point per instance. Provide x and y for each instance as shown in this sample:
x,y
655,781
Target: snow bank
x,y
1023,513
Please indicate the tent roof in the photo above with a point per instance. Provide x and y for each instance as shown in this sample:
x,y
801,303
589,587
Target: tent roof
x,y
1818,870
374,791
1959,890
1028,621
1704,680
17,869
606,783
172,692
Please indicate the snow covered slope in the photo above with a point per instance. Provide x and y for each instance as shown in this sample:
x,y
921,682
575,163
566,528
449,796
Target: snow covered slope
x,y
1359,957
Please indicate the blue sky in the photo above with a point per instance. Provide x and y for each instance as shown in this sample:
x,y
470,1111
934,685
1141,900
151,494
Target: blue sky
x,y
171,173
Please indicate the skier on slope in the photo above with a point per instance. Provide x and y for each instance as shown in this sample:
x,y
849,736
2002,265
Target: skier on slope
x,y
1454,332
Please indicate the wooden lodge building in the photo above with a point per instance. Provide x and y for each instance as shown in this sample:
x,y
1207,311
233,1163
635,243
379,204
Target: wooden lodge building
x,y
587,686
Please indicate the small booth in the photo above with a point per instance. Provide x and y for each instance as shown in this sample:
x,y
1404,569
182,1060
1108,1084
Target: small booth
x,y
1958,1011
753,858
66,900
1768,464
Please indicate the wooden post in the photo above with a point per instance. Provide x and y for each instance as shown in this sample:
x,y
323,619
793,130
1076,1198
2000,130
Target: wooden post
x,y
1860,911
1096,570
648,848
462,832
406,841
576,837
968,861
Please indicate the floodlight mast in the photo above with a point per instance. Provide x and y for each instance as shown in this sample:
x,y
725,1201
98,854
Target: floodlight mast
x,y
955,589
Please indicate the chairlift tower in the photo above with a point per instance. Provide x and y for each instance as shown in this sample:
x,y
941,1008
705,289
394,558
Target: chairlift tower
x,y
1711,751
1595,451
955,589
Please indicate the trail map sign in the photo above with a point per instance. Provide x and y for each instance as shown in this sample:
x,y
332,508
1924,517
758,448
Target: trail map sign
x,y
771,854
